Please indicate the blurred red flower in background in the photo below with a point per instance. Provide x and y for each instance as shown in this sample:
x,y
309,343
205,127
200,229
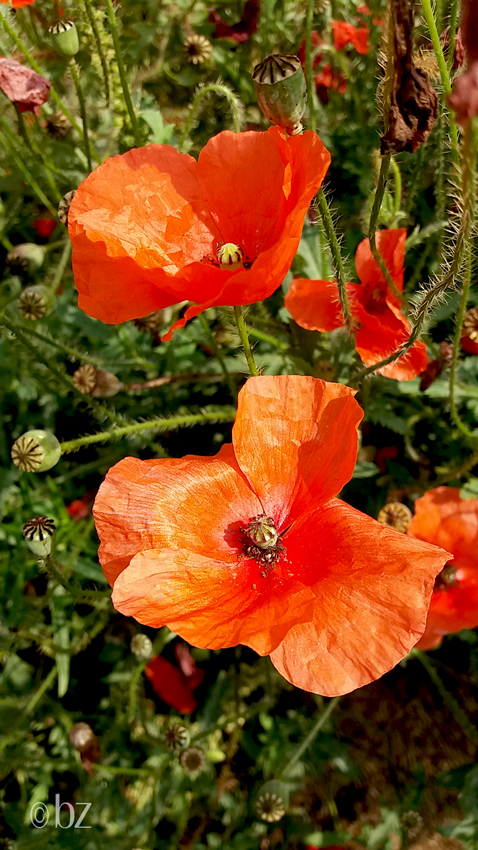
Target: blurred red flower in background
x,y
147,226
443,518
24,87
243,30
18,4
251,546
45,226
345,33
175,686
381,325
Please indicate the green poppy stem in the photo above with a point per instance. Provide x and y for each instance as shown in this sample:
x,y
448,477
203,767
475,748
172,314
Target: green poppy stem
x,y
203,92
241,327
460,716
310,737
84,116
122,74
218,354
336,258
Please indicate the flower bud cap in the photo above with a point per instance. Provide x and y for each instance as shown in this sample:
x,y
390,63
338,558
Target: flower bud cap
x,y
281,90
65,37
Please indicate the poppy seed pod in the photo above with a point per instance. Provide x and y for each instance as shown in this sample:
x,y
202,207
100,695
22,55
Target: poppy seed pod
x,y
35,302
176,738
96,382
64,206
192,760
36,451
395,515
26,258
197,49
38,533
58,126
65,37
141,646
272,801
281,90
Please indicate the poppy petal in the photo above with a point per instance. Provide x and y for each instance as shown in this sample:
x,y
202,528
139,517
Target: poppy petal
x,y
314,304
169,684
374,345
307,430
167,503
371,594
391,247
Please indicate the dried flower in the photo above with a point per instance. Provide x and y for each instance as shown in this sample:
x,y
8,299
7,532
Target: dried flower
x,y
395,515
24,87
35,302
197,49
96,382
36,451
84,740
152,323
192,761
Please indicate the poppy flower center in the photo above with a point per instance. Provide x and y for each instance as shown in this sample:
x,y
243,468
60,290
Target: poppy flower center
x,y
447,577
261,541
229,255
374,298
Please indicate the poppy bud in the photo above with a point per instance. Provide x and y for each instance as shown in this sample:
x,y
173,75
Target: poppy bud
x,y
65,37
281,90
230,255
141,646
64,206
176,737
192,760
469,334
36,451
395,515
38,533
58,126
272,800
35,302
26,258
81,736
96,382
197,49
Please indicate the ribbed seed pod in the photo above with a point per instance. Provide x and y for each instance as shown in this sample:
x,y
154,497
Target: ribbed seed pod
x,y
65,37
38,533
35,302
281,90
395,515
272,801
64,206
192,760
197,49
36,451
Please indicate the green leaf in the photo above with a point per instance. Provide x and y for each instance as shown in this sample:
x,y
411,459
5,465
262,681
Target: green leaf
x,y
160,133
365,470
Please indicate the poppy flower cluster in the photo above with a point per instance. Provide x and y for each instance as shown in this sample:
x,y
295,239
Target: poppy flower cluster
x,y
175,685
252,546
329,77
153,227
446,520
381,326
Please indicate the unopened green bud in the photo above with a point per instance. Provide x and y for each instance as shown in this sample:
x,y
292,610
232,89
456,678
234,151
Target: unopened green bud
x,y
281,90
38,533
273,800
26,258
35,302
36,451
141,646
65,37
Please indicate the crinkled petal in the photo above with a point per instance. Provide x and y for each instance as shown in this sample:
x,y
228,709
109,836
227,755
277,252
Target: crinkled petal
x,y
170,685
307,432
443,518
371,592
374,346
314,304
391,247
194,503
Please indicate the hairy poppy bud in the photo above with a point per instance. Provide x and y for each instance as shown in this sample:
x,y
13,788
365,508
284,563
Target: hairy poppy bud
x,y
26,258
82,737
141,646
64,206
36,451
197,49
35,302
230,255
38,533
192,760
65,37
272,800
176,737
395,515
281,90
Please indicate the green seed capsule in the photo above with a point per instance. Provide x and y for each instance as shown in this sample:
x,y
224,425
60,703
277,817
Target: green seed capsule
x,y
65,37
36,451
281,90
38,533
26,258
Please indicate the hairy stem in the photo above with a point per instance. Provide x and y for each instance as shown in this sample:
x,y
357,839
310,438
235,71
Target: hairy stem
x,y
460,716
308,64
445,77
91,18
336,257
122,73
222,90
310,737
217,352
84,116
241,326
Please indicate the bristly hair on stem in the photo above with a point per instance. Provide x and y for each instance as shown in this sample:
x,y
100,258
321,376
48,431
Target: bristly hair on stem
x,y
202,92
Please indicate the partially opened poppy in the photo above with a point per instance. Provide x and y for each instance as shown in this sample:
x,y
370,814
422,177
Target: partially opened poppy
x,y
153,227
381,325
252,547
443,518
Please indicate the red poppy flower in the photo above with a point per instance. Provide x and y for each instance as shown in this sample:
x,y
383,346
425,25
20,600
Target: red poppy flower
x,y
24,87
315,42
382,328
44,227
364,10
18,4
243,30
345,33
329,78
146,226
251,546
172,685
444,519
81,508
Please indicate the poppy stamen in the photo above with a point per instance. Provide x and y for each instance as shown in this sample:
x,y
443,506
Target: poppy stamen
x,y
261,541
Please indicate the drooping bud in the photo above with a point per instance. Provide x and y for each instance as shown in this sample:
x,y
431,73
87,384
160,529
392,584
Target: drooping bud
x,y
395,515
58,126
26,258
65,37
35,302
141,646
230,256
469,334
96,382
64,206
281,90
38,533
36,451
197,49
176,738
152,323
262,532
272,801
192,760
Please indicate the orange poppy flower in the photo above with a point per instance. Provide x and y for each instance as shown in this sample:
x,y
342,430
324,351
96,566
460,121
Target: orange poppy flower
x,y
381,325
252,547
148,227
345,33
18,4
444,519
